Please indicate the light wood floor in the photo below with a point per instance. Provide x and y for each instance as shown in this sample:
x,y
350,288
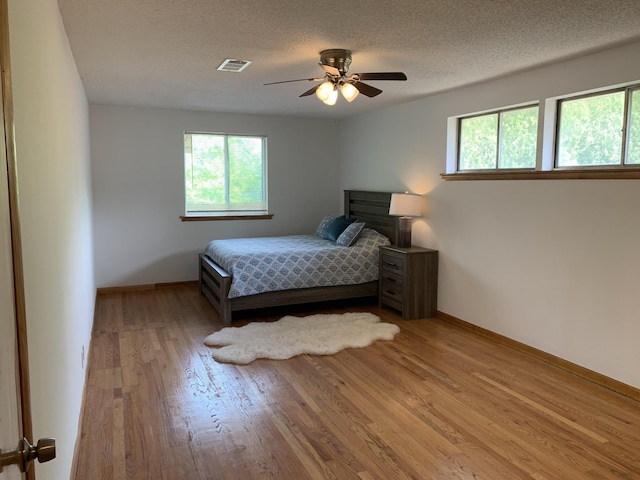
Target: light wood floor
x,y
437,402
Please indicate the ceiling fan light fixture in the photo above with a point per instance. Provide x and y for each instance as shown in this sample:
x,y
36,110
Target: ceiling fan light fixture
x,y
349,92
333,97
335,63
325,90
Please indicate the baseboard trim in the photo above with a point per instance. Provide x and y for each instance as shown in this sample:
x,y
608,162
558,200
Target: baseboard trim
x,y
145,287
572,368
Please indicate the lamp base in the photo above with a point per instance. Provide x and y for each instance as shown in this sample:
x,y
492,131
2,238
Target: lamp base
x,y
404,231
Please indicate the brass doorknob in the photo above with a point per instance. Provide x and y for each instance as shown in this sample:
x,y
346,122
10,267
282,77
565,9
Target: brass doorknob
x,y
44,451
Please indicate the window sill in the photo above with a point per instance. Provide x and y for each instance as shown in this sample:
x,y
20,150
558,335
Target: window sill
x,y
568,174
207,218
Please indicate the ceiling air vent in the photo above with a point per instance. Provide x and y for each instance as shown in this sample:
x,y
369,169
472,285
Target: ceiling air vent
x,y
233,65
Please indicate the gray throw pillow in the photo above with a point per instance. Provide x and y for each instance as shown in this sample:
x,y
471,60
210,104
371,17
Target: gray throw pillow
x,y
324,225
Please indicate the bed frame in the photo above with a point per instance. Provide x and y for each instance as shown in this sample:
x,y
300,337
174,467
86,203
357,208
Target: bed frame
x,y
369,207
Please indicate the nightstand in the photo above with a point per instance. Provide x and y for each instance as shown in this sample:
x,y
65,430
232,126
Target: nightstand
x,y
409,280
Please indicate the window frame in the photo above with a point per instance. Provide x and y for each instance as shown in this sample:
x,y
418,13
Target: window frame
x,y
499,112
227,214
624,142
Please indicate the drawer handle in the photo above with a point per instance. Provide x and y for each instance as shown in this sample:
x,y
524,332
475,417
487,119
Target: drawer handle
x,y
390,279
390,292
391,264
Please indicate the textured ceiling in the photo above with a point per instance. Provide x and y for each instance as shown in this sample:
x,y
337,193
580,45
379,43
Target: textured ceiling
x,y
164,53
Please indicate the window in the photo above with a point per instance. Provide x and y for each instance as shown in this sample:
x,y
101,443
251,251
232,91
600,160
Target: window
x,y
593,135
225,174
500,140
599,130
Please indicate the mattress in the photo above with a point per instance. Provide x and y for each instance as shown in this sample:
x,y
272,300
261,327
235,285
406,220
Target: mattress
x,y
267,264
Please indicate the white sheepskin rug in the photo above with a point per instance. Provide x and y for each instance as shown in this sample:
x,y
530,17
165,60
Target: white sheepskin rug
x,y
322,334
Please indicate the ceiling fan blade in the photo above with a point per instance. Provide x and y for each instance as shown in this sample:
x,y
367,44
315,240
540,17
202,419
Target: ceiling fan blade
x,y
298,80
333,71
367,90
381,76
311,91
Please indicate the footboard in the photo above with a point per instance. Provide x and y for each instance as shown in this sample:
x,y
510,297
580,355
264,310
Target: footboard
x,y
215,284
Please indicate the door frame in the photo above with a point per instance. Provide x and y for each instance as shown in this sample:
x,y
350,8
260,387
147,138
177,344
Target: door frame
x,y
16,238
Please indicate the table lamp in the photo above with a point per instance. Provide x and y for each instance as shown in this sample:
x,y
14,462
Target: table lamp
x,y
405,206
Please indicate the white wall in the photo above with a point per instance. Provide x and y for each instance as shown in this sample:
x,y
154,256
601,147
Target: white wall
x,y
554,264
52,138
138,194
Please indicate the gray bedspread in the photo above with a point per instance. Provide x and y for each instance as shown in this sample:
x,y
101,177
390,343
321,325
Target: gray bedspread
x,y
267,264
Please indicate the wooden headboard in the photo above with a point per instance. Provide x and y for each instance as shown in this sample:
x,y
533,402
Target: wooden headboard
x,y
373,209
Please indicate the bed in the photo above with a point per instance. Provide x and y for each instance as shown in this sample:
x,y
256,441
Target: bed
x,y
371,208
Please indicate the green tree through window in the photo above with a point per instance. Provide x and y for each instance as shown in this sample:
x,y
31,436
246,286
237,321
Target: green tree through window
x,y
633,135
499,140
599,130
590,131
224,173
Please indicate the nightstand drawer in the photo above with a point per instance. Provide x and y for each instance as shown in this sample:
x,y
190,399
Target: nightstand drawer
x,y
391,299
392,281
392,262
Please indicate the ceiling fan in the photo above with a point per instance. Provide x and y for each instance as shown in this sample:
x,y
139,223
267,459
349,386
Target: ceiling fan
x,y
335,63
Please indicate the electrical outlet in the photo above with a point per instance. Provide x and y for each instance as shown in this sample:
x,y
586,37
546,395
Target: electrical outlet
x,y
82,357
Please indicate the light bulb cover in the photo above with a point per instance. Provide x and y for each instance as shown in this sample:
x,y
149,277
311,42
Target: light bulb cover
x,y
349,91
333,97
323,92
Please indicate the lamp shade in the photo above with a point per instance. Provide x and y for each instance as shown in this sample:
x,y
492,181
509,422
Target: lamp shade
x,y
405,205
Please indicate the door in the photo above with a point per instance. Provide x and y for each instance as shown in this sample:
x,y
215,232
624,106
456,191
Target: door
x,y
10,410
15,413
10,415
